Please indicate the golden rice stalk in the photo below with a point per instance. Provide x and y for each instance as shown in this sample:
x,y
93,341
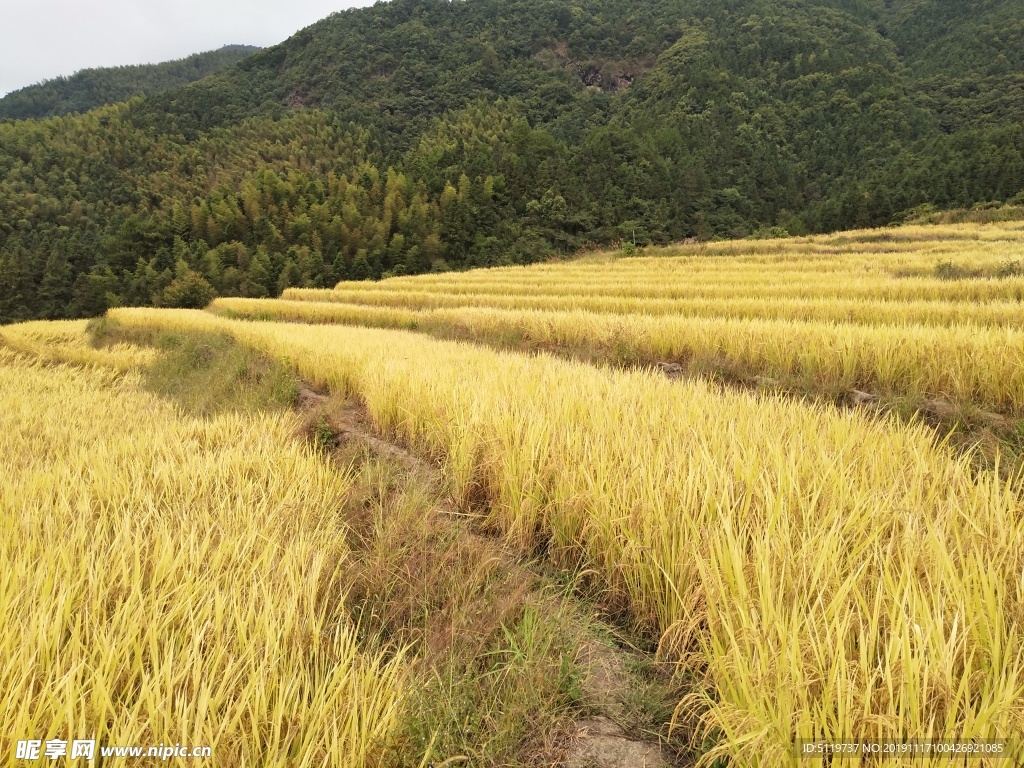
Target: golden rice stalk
x,y
168,579
828,575
982,367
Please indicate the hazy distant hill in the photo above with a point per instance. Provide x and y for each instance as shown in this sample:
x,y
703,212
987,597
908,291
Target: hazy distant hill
x,y
91,88
419,135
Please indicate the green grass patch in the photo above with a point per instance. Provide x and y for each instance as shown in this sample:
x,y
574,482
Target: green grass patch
x,y
205,373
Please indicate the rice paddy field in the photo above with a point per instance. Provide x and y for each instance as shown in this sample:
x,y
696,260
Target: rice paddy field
x,y
809,569
915,313
159,585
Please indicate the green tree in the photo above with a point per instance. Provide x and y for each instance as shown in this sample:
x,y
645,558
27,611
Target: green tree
x,y
188,290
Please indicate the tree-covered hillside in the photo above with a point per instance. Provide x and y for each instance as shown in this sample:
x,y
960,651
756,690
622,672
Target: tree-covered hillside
x,y
91,88
424,135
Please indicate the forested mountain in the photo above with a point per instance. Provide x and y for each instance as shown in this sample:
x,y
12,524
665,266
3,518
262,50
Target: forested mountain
x,y
424,135
91,88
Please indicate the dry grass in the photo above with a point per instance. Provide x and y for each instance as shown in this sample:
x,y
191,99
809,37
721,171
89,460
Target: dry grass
x,y
67,342
495,669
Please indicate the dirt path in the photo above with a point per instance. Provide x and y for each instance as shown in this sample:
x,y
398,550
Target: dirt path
x,y
598,740
349,422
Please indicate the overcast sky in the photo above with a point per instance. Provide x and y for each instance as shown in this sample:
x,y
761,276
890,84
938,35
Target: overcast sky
x,y
41,39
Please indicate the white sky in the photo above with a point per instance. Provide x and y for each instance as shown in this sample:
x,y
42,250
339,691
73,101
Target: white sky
x,y
41,39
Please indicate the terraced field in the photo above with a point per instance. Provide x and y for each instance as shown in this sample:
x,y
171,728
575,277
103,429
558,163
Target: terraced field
x,y
910,314
810,570
136,554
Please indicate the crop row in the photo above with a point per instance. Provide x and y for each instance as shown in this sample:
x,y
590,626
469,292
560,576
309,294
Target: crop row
x,y
981,367
874,287
834,309
910,249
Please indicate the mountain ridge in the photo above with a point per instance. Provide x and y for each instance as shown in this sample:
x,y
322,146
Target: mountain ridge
x,y
422,135
99,86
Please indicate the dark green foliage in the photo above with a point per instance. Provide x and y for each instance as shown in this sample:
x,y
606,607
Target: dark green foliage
x,y
91,88
427,135
1010,268
189,290
323,436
